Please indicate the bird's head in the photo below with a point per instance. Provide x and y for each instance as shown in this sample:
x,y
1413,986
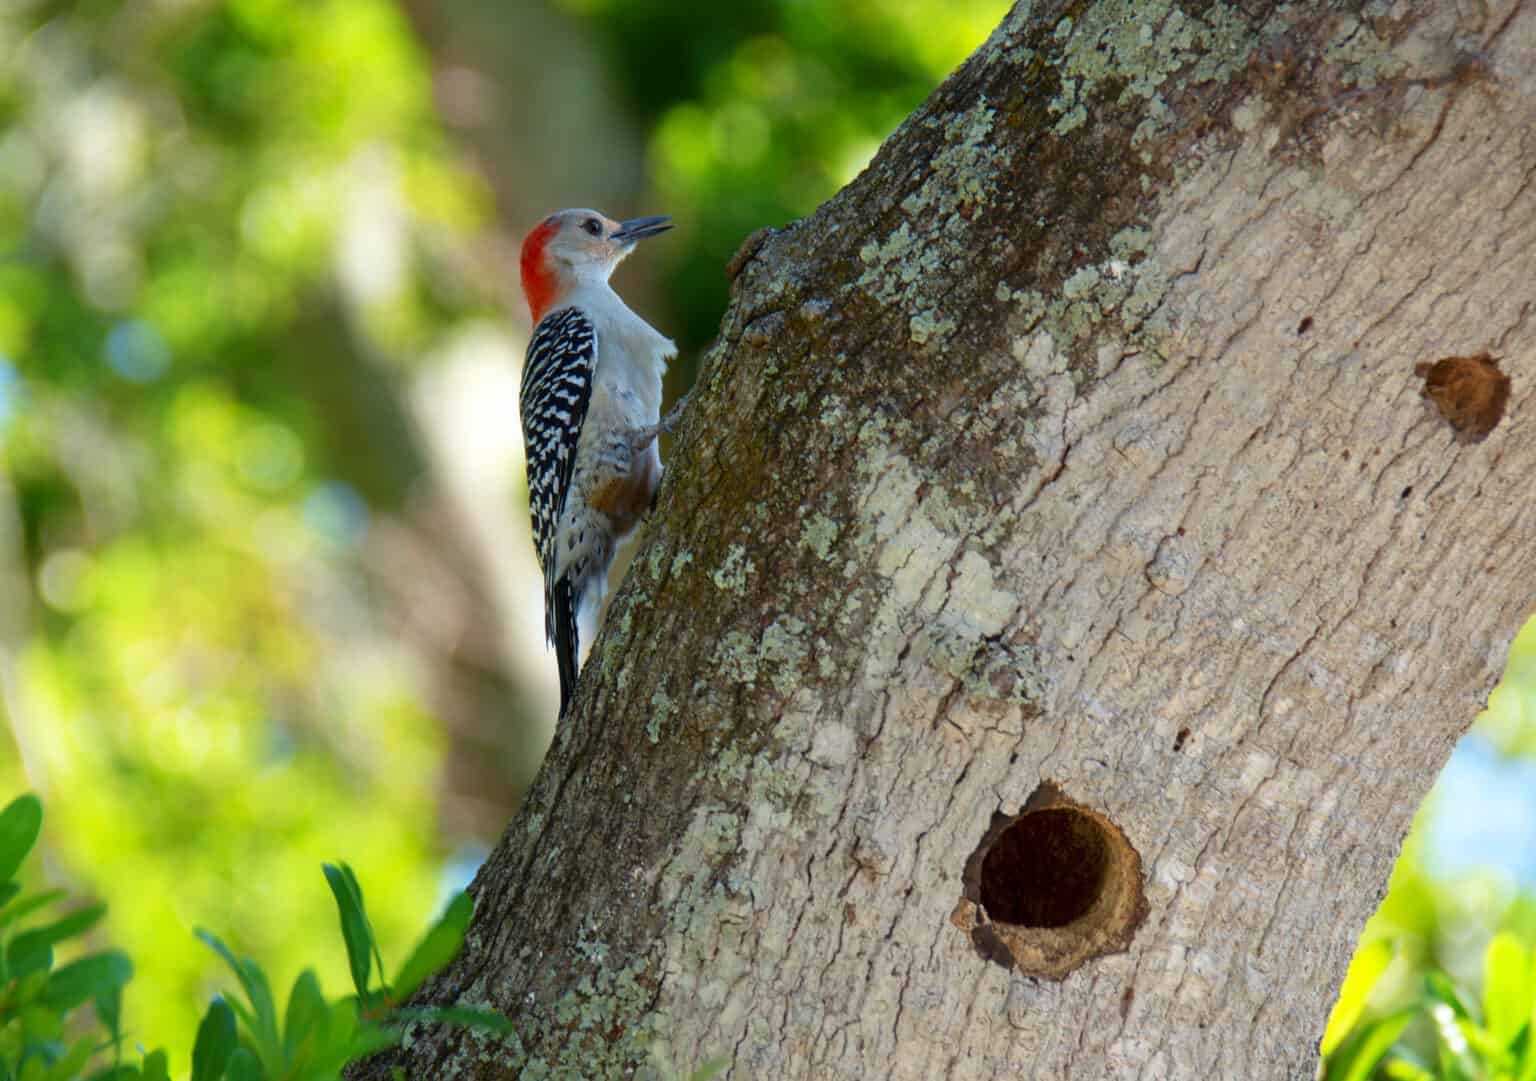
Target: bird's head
x,y
573,247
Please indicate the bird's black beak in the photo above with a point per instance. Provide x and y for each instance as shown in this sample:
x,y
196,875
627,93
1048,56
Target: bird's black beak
x,y
639,228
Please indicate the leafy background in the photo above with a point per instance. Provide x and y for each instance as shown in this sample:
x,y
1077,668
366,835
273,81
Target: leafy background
x,y
265,594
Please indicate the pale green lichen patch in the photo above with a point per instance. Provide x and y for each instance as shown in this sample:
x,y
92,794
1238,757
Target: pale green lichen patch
x,y
819,534
985,668
681,560
784,650
780,652
731,575
1365,58
603,1029
958,174
736,658
929,324
663,707
1125,290
1138,45
910,266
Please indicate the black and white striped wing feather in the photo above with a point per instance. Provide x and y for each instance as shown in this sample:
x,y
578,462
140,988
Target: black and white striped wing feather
x,y
557,387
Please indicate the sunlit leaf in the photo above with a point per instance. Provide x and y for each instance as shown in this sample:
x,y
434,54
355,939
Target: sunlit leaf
x,y
20,824
1369,962
1507,996
1359,1056
1402,1069
1439,989
439,946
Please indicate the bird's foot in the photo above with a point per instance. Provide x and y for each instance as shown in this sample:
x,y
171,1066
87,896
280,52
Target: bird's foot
x,y
644,436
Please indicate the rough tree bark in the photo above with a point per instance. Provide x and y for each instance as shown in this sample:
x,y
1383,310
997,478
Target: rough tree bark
x,y
1073,462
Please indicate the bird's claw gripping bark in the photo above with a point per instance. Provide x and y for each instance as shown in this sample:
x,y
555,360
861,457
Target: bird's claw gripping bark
x,y
643,436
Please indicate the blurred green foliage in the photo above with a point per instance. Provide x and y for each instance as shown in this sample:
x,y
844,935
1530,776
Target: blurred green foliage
x,y
195,671
43,1036
1443,985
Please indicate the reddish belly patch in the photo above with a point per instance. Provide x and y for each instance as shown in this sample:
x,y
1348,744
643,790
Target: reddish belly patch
x,y
627,497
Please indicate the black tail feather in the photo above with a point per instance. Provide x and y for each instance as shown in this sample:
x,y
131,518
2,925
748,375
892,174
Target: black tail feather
x,y
562,603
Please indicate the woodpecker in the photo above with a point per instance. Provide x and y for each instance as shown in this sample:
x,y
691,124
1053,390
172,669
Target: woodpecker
x,y
591,406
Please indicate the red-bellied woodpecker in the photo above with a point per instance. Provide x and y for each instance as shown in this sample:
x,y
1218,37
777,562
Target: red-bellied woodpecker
x,y
591,407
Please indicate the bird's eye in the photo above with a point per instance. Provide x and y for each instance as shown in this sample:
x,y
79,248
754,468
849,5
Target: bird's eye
x,y
593,226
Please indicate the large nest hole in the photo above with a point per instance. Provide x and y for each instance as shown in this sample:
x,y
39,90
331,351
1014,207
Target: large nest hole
x,y
1051,887
1046,870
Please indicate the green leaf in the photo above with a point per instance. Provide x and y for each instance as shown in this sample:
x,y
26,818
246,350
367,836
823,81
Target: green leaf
x,y
37,942
77,922
261,1018
1506,988
1527,1071
243,1066
1359,1056
109,1011
487,1020
354,923
307,1014
1365,969
1439,988
1400,1069
155,1067
215,1042
437,947
22,958
92,976
334,1048
20,824
368,1039
29,904
117,1073
8,890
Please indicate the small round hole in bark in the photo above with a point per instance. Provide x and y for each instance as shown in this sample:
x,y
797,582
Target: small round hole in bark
x,y
1046,870
1469,392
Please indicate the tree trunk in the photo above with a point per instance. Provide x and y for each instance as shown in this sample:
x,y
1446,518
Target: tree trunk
x,y
1078,561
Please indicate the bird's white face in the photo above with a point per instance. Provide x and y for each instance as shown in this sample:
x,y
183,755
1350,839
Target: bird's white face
x,y
584,240
577,247
587,242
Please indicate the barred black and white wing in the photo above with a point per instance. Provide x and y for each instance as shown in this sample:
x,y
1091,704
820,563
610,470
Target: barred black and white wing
x,y
556,390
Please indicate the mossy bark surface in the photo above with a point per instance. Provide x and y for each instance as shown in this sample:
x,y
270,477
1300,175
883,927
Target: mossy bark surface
x,y
1066,479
